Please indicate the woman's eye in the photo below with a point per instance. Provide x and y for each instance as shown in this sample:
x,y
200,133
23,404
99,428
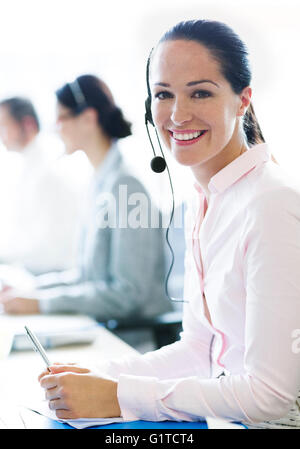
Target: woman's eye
x,y
163,95
201,94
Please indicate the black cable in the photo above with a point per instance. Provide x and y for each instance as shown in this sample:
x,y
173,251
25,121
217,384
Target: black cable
x,y
168,228
169,244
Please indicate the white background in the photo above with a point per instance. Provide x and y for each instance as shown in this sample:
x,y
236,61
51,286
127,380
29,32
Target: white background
x,y
45,43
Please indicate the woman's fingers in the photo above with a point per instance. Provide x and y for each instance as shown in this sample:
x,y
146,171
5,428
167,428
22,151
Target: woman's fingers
x,y
52,393
57,373
65,414
49,381
57,368
61,409
57,404
44,373
56,364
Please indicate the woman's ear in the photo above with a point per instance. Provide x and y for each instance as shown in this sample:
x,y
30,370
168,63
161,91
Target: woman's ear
x,y
90,115
245,99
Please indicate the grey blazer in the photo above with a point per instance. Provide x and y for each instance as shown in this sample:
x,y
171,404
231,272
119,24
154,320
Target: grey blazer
x,y
121,265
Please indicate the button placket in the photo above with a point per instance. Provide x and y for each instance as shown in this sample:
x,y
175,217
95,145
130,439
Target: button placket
x,y
199,267
196,242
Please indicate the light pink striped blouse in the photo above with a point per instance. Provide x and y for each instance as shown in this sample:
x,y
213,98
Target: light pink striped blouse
x,y
243,254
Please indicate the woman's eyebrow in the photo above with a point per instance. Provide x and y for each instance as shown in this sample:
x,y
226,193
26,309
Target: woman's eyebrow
x,y
191,83
162,84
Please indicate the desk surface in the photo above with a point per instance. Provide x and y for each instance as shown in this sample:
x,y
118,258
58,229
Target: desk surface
x,y
19,382
33,420
19,385
19,371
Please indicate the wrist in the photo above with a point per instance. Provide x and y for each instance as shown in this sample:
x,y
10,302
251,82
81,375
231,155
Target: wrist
x,y
37,305
116,411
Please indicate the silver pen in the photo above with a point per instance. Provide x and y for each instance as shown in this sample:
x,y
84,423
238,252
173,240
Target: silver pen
x,y
38,347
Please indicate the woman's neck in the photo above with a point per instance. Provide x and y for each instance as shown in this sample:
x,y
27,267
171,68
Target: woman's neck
x,y
205,171
96,149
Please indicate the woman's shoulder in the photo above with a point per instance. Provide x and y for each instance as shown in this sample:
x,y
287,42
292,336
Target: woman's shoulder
x,y
271,183
121,177
272,193
127,188
125,179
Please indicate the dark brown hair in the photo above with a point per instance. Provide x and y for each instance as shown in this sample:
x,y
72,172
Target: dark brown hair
x,y
231,53
95,95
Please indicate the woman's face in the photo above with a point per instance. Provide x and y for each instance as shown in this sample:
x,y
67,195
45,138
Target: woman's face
x,y
194,107
69,128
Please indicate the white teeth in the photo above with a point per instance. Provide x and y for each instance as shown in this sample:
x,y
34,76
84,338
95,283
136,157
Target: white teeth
x,y
187,136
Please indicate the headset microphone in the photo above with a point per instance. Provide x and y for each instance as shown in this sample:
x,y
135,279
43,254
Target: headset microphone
x,y
158,165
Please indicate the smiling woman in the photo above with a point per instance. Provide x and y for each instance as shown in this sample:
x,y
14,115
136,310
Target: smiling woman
x,y
231,56
235,359
203,103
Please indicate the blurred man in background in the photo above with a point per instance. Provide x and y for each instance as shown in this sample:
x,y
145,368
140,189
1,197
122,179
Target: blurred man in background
x,y
39,209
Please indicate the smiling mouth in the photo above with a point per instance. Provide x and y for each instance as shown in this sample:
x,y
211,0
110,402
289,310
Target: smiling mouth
x,y
188,137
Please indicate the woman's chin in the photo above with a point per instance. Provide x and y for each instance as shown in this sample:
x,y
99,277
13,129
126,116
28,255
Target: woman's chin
x,y
70,150
185,158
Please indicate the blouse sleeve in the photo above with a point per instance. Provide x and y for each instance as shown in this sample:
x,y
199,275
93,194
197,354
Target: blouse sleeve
x,y
271,378
188,356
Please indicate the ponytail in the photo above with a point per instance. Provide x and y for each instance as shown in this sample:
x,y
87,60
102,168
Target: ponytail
x,y
251,127
94,93
114,124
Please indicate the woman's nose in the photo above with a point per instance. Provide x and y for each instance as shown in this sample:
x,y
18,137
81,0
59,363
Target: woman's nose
x,y
181,113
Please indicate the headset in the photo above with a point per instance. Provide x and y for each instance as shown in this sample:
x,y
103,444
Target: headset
x,y
77,93
158,165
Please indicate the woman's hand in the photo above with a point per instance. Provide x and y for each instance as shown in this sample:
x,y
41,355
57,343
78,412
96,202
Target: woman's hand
x,y
15,302
71,366
74,392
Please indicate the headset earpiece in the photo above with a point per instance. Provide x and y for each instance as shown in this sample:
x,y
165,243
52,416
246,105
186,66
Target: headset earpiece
x,y
158,163
148,113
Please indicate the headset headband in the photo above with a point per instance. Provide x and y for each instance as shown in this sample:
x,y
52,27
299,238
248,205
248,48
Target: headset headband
x,y
148,113
77,93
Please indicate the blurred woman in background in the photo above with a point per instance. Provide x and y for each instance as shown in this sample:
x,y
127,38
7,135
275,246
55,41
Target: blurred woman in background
x,y
120,271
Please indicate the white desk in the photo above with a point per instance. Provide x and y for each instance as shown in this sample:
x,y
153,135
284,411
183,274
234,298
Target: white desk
x,y
19,371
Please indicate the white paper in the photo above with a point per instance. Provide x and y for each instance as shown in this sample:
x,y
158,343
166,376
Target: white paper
x,y
42,408
214,423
